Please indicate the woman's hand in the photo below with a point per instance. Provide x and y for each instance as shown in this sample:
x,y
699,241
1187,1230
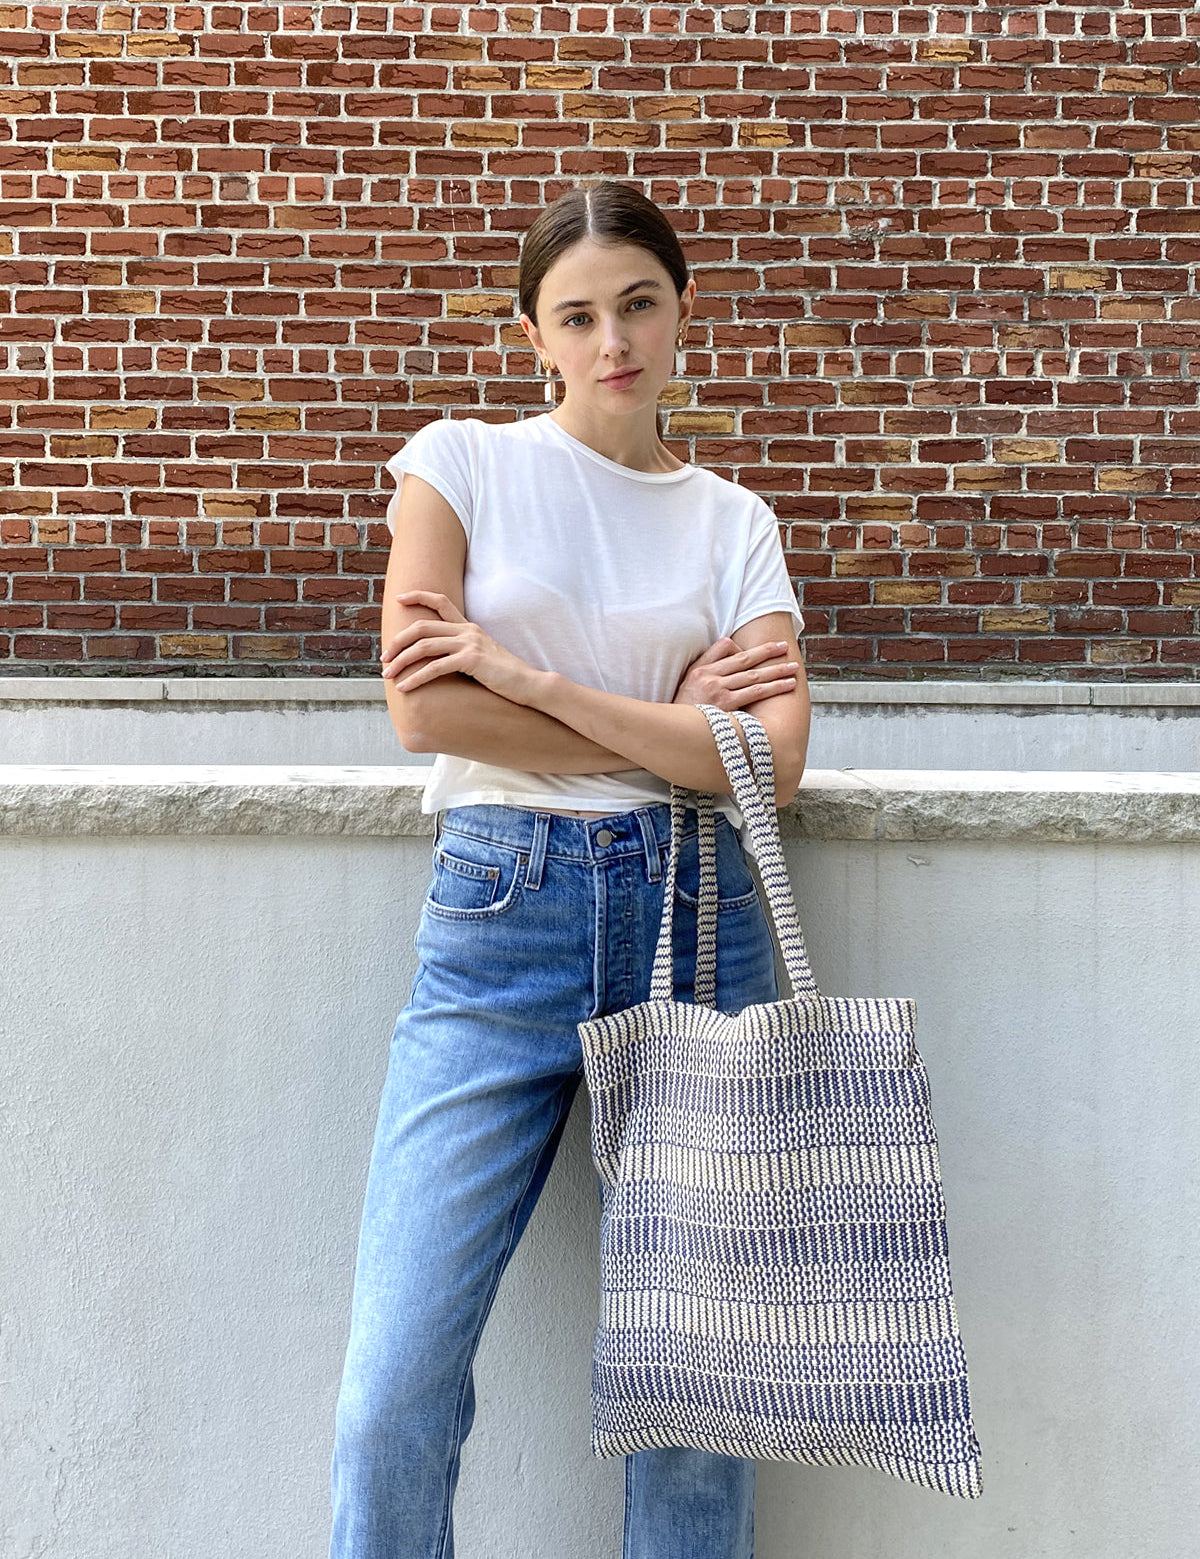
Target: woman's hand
x,y
732,678
458,645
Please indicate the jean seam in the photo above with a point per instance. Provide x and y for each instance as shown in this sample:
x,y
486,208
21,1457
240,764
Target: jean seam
x,y
500,1266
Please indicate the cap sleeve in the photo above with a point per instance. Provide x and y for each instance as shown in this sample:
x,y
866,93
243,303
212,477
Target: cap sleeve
x,y
766,586
440,453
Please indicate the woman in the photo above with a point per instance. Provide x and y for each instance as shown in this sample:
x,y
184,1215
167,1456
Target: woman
x,y
611,587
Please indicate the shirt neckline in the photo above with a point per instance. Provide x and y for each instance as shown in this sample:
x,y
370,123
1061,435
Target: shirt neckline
x,y
614,465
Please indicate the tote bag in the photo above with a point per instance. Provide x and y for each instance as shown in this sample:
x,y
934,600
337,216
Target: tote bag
x,y
774,1261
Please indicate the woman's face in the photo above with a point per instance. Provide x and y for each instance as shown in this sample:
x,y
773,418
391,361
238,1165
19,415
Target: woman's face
x,y
604,308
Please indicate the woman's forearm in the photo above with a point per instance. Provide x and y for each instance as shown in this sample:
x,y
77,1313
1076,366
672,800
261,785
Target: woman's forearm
x,y
673,741
457,715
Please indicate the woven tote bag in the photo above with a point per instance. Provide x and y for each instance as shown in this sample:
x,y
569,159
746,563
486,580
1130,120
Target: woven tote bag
x,y
774,1260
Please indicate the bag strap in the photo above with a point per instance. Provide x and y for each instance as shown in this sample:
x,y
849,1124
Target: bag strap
x,y
705,987
755,796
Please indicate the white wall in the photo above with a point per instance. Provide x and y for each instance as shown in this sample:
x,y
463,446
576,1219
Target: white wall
x,y
862,724
195,1032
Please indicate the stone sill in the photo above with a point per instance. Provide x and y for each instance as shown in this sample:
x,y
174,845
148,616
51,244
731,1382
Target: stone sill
x,y
871,804
369,690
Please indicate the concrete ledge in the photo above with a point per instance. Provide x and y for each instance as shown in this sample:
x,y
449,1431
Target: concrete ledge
x,y
892,804
369,690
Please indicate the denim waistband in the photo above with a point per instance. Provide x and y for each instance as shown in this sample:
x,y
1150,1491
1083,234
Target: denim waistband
x,y
591,840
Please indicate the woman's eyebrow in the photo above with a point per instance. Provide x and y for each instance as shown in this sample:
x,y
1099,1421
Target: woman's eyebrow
x,y
585,303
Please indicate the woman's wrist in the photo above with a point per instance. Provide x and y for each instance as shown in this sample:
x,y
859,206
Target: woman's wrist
x,y
544,691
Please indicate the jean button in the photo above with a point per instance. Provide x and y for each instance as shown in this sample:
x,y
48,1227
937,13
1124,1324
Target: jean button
x,y
604,837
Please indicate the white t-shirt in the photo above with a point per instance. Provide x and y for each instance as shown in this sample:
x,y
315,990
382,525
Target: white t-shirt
x,y
616,579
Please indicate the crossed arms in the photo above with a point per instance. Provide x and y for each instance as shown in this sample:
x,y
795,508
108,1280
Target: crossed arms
x,y
558,726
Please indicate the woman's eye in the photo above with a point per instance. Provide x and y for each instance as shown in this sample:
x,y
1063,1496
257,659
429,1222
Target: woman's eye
x,y
636,301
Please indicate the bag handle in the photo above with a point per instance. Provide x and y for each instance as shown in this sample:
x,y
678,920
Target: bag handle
x,y
751,791
705,986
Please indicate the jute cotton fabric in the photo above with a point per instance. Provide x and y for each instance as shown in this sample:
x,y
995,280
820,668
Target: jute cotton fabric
x,y
774,1255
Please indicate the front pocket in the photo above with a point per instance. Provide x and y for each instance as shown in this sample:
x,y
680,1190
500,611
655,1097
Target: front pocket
x,y
736,886
473,879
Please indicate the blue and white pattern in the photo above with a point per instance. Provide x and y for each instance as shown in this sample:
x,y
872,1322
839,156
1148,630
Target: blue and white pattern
x,y
774,1259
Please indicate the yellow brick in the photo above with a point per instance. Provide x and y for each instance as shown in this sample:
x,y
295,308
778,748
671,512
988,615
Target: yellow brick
x,y
73,446
136,417
221,506
906,592
707,424
1130,308
1129,479
1017,450
537,78
22,103
53,530
149,44
816,335
973,479
635,137
1185,595
123,302
194,646
1136,79
230,389
85,45
665,107
944,51
22,500
479,305
484,132
1001,619
1120,652
1078,278
433,392
884,511
87,159
764,132
269,418
1165,165
305,217
266,646
869,392
490,78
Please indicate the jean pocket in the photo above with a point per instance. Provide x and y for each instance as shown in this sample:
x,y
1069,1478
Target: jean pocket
x,y
473,879
736,885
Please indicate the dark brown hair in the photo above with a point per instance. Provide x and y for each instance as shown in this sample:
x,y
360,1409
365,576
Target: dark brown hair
x,y
606,212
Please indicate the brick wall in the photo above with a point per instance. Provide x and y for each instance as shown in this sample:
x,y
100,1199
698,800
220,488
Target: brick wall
x,y
946,323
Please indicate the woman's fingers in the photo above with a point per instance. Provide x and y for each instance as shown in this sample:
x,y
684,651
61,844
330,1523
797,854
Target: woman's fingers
x,y
773,670
401,654
422,626
759,657
751,695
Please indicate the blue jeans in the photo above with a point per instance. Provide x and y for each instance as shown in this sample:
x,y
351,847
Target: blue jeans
x,y
533,922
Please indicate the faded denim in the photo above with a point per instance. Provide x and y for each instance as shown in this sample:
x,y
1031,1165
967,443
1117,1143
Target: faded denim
x,y
532,923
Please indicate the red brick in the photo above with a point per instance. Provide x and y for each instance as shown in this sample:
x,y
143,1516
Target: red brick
x,y
905,326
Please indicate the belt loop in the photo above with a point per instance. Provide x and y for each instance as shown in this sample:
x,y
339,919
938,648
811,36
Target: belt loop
x,y
537,851
650,841
437,828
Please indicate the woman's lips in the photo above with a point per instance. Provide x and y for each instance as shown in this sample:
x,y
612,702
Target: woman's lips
x,y
622,381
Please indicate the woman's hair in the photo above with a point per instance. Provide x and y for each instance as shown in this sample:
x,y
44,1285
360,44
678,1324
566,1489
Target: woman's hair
x,y
605,212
